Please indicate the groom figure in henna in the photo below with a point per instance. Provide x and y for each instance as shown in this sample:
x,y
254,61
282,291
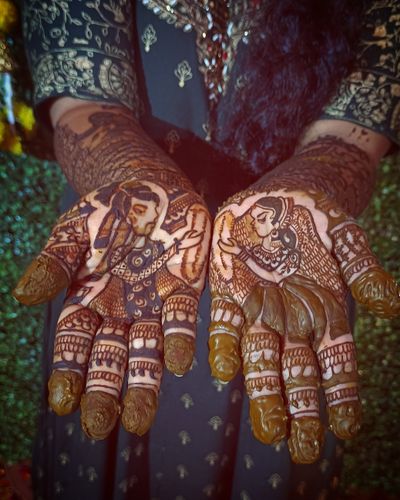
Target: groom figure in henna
x,y
128,283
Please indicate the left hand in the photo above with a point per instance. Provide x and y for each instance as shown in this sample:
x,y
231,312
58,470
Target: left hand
x,y
281,262
133,255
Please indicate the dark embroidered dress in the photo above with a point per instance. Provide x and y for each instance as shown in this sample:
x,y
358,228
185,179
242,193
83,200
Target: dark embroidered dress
x,y
155,60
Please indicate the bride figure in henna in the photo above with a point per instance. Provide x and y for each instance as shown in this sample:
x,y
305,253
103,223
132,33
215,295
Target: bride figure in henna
x,y
279,295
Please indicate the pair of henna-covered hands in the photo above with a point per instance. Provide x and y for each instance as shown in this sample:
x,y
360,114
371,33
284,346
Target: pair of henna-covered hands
x,y
133,253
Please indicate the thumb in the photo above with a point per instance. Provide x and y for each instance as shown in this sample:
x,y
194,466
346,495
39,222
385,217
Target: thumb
x,y
42,281
369,283
56,265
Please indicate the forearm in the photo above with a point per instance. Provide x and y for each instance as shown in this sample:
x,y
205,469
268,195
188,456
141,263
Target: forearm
x,y
338,159
96,144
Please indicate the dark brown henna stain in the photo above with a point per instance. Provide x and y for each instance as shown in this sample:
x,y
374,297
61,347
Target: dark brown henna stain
x,y
65,389
99,413
179,317
268,418
342,171
224,356
178,353
112,147
345,419
352,251
306,440
377,290
140,407
74,337
339,372
42,281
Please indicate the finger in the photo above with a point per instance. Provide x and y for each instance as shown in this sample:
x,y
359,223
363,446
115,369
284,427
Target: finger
x,y
260,348
179,315
73,340
225,333
145,372
325,311
100,404
338,366
369,283
54,268
42,281
301,288
301,380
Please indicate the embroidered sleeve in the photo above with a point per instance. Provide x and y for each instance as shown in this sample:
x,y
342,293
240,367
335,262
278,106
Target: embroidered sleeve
x,y
370,96
81,49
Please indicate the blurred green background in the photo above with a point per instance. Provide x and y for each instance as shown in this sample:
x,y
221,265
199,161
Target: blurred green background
x,y
30,191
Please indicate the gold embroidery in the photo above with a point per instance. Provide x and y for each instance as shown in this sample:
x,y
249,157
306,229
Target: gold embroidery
x,y
126,453
91,474
275,480
220,386
209,490
149,37
248,462
183,72
71,42
182,471
370,96
215,422
69,428
63,458
212,458
187,401
219,26
184,437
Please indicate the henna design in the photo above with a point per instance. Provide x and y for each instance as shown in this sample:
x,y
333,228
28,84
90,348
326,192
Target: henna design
x,y
140,406
101,144
179,316
283,252
108,358
306,440
352,251
300,375
338,364
137,239
65,390
330,165
226,317
145,347
43,280
339,374
73,341
379,292
99,412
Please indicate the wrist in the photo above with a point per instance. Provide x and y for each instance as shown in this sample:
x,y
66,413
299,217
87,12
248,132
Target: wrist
x,y
97,144
341,171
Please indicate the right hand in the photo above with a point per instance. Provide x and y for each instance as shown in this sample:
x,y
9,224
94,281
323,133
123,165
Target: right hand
x,y
133,255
